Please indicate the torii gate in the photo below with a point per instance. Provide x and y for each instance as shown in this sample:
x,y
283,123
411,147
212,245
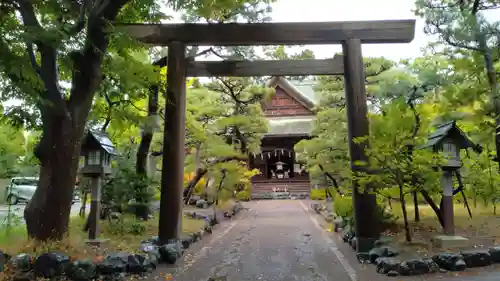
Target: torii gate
x,y
350,34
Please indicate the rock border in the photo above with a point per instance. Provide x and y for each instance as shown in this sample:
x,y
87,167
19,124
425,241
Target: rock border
x,y
110,267
385,258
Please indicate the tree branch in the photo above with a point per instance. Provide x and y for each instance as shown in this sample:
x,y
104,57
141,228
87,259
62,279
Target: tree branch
x,y
200,172
80,22
162,62
411,103
334,181
107,121
475,7
31,55
88,60
447,38
99,8
47,72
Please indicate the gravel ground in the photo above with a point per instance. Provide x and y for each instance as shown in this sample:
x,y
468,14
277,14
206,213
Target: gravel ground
x,y
273,240
282,241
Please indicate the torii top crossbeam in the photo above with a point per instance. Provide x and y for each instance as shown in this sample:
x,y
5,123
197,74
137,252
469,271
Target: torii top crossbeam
x,y
230,34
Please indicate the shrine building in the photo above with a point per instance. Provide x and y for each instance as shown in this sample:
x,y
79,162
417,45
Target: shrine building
x,y
291,115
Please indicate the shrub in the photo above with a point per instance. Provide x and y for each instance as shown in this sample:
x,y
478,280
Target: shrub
x,y
343,206
126,225
157,195
317,194
387,220
243,195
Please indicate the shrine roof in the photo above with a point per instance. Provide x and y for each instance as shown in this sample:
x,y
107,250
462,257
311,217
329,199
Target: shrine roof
x,y
303,92
290,126
306,89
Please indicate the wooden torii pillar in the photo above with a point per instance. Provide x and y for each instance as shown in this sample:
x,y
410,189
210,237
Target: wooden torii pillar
x,y
367,226
350,34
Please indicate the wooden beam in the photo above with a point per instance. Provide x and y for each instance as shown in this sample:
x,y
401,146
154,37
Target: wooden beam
x,y
230,34
172,172
333,66
364,201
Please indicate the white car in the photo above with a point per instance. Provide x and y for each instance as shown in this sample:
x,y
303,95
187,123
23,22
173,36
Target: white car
x,y
21,190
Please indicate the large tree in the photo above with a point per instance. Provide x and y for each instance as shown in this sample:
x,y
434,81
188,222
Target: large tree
x,y
54,56
464,30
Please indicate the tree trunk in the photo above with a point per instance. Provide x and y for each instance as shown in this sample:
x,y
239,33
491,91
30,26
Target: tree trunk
x,y
492,79
219,188
474,199
491,74
85,191
243,141
142,154
405,213
415,204
147,134
433,205
47,213
189,190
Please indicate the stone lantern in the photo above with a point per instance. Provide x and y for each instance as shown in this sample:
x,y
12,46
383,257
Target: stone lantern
x,y
97,150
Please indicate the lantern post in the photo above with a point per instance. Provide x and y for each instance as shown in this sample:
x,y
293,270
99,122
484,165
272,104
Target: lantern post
x,y
448,139
97,150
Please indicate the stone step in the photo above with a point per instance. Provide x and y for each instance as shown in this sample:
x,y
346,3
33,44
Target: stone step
x,y
293,188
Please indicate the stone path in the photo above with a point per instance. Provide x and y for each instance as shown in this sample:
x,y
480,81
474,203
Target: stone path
x,y
281,241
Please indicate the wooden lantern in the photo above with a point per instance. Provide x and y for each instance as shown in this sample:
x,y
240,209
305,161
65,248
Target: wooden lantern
x,y
449,140
97,149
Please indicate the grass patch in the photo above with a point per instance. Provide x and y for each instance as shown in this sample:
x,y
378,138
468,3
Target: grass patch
x,y
123,236
482,230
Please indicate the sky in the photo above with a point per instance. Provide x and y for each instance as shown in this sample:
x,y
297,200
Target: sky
x,y
356,10
352,10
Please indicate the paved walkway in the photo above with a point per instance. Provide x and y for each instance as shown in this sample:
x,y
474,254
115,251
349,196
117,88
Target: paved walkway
x,y
279,241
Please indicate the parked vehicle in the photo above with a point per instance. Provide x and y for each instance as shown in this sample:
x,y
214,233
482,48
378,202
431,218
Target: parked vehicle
x,y
22,189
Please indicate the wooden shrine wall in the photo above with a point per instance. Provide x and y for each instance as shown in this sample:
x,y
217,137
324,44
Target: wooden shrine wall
x,y
282,104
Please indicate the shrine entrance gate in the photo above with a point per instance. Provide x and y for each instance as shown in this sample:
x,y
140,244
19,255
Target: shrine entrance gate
x,y
350,34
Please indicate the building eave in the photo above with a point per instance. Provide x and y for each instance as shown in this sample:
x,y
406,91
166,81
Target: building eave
x,y
291,90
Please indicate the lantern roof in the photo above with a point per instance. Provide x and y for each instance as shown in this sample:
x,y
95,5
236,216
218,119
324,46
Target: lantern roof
x,y
450,130
101,139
